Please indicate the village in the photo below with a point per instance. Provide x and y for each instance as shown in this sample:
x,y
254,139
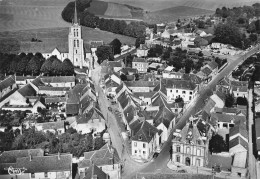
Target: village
x,y
187,116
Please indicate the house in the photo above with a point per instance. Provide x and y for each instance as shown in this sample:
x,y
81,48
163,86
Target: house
x,y
140,64
142,51
238,144
224,162
219,98
92,121
174,75
225,121
52,127
112,82
35,165
180,89
213,66
239,130
146,97
23,80
205,73
240,91
59,81
53,91
239,165
164,120
7,85
128,71
145,141
73,98
105,158
95,172
141,86
189,144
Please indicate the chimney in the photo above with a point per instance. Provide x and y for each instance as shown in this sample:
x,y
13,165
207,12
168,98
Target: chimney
x,y
58,155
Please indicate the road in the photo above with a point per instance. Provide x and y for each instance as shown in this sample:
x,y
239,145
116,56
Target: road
x,y
251,159
160,163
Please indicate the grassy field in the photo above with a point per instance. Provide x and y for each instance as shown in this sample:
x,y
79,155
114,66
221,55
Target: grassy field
x,y
171,14
32,14
155,5
98,7
118,10
56,36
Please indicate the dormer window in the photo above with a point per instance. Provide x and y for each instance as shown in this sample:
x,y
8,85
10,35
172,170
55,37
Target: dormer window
x,y
140,137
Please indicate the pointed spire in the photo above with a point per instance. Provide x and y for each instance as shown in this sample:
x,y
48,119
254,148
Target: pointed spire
x,y
75,14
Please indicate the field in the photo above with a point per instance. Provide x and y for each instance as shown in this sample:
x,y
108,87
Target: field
x,y
54,36
117,10
171,14
98,7
155,5
31,14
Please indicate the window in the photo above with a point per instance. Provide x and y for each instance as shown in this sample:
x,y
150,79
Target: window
x,y
178,159
191,93
183,92
187,150
143,145
76,51
74,32
198,162
176,91
170,90
176,110
135,144
78,43
135,151
45,174
144,152
77,33
32,175
74,43
178,149
225,125
198,152
190,98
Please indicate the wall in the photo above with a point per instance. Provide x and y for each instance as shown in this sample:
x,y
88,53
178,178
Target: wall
x,y
52,93
173,93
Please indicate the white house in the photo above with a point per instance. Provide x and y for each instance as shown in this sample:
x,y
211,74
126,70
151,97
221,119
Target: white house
x,y
219,98
58,81
142,51
145,141
93,120
140,64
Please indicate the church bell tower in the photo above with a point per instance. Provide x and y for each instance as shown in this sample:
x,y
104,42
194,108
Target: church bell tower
x,y
76,50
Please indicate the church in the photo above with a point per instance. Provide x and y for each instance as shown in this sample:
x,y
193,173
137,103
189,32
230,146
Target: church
x,y
73,50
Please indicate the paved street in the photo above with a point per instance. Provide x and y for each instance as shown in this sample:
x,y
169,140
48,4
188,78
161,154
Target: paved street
x,y
160,163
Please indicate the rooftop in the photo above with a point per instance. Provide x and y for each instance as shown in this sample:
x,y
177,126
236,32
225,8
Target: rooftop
x,y
145,133
7,82
140,60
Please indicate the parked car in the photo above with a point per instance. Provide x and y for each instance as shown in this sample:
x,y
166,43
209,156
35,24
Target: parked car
x,y
155,155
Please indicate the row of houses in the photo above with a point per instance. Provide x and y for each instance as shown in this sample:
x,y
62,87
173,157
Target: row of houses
x,y
35,163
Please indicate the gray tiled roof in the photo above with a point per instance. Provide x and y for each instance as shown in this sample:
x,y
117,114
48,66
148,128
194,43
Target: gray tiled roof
x,y
93,113
236,141
145,133
101,157
179,84
7,82
165,116
140,60
213,65
94,170
58,79
206,71
239,128
46,163
12,155
27,90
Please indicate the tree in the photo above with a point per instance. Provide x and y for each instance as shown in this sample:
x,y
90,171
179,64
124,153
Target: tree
x,y
138,41
217,144
104,52
229,102
253,37
56,67
242,101
21,66
67,67
228,34
179,100
34,65
47,67
116,45
201,24
123,77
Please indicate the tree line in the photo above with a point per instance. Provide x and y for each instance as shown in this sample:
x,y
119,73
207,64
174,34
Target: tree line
x,y
133,29
34,64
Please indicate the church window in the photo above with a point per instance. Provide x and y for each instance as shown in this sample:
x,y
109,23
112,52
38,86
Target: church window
x,y
77,33
76,51
78,43
74,43
76,60
74,32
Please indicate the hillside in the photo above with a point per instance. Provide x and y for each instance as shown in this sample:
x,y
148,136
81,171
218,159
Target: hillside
x,y
170,14
155,5
108,9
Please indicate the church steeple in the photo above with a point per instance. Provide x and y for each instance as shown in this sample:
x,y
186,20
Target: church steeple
x,y
75,14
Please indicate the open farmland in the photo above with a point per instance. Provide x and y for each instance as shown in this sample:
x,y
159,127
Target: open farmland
x,y
98,7
33,14
155,5
171,14
118,10
55,36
